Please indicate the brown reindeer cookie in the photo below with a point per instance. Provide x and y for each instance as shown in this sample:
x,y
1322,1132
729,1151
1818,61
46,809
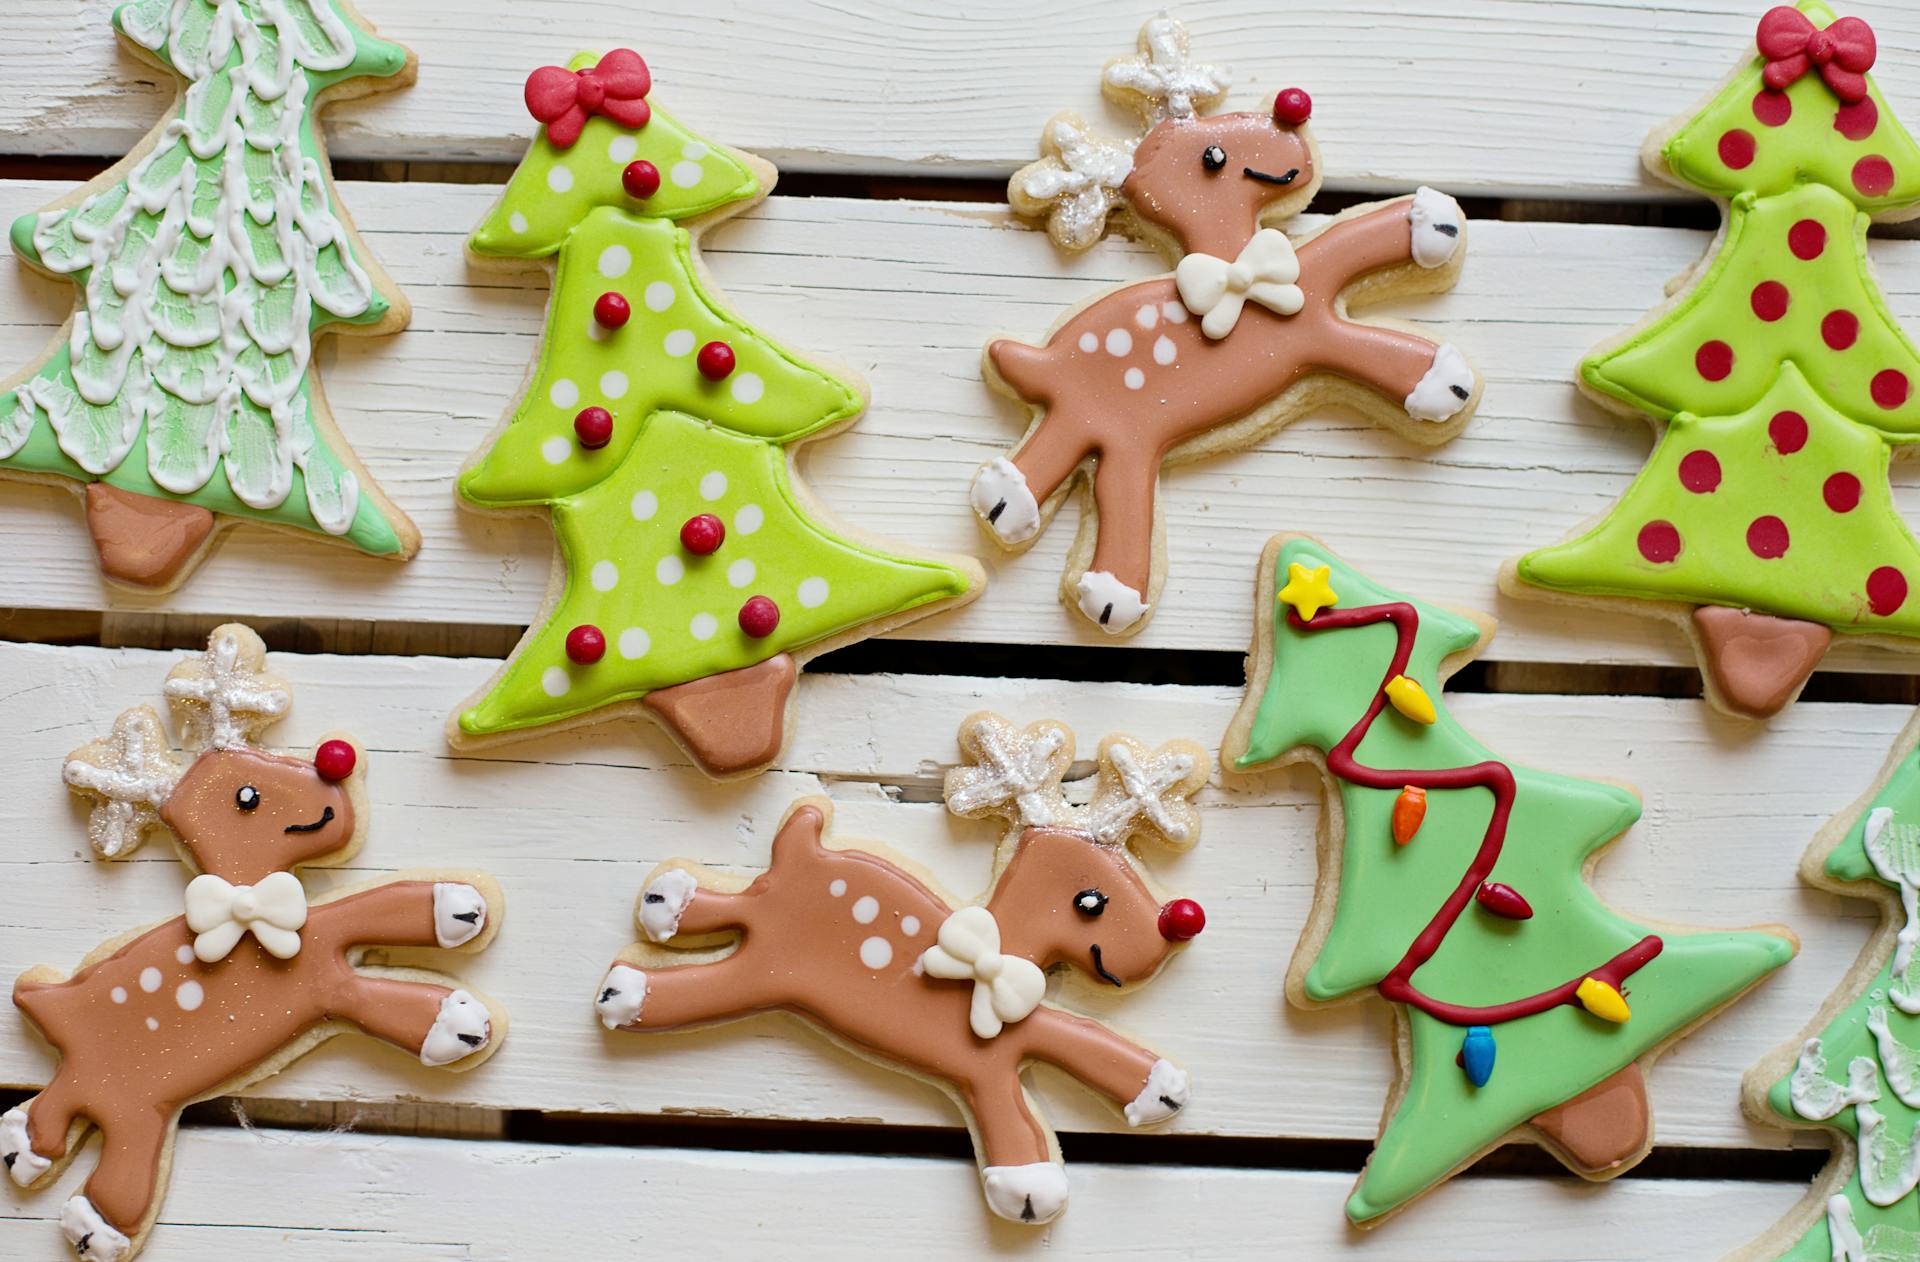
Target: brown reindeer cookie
x,y
252,976
866,948
1248,333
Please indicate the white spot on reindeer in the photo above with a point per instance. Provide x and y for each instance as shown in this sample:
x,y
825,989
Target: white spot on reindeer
x,y
190,995
867,909
1119,342
1146,317
837,888
876,953
1134,378
184,954
1164,351
119,994
1176,312
153,1023
149,979
910,925
1089,342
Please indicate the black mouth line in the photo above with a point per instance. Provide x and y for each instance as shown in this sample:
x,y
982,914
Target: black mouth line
x,y
1264,178
326,817
1101,969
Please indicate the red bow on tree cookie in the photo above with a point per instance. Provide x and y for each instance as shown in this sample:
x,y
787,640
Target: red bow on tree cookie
x,y
564,99
1792,45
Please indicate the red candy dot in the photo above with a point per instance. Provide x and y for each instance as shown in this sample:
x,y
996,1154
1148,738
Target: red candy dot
x,y
1292,107
1767,538
1737,148
1842,492
1182,920
1873,176
586,645
1714,361
1891,389
611,311
1772,108
1770,299
1840,330
1788,430
759,616
1857,121
1807,239
1886,590
334,760
1700,472
716,361
703,535
1659,542
594,428
641,179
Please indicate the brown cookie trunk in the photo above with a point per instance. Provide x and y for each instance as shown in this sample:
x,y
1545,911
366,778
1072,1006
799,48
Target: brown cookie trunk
x,y
731,722
142,540
1604,1127
1757,662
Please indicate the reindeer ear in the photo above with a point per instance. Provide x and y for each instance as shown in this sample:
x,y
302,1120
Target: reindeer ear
x,y
128,775
801,831
1140,792
1076,184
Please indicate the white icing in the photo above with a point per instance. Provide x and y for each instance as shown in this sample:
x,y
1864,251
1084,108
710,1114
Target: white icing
x,y
613,385
1175,312
1439,396
634,643
462,1028
876,953
1899,1062
669,570
1164,351
679,343
1842,1234
621,996
910,925
189,995
837,888
1119,342
688,174
223,698
605,576
1133,378
1146,317
623,149
866,909
1217,291
1078,179
1164,77
459,914
184,955
659,296
273,911
131,773
713,485
616,261
153,1023
555,681
644,505
703,627
664,902
1816,1097
812,592
556,450
695,149
208,268
741,572
1436,220
564,394
1006,988
1030,1194
560,179
1165,1082
1894,850
1089,342
748,387
150,980
748,519
119,994
518,222
1011,769
23,1163
1134,791
1888,1171
1110,603
1004,502
79,1220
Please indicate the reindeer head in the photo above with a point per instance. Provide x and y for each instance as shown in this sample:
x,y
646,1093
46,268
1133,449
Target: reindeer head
x,y
1209,182
1071,891
240,813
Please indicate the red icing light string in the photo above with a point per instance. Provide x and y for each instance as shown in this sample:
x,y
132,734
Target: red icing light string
x,y
1497,778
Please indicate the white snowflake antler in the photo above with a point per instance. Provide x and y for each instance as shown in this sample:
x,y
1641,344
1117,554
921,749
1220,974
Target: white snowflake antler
x,y
1012,773
129,775
225,696
1141,792
1075,184
1164,81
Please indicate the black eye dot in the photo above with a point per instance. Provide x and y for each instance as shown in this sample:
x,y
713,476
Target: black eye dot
x,y
1214,158
247,798
1089,902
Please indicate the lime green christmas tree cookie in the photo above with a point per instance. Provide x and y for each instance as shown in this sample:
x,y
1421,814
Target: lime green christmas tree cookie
x,y
1452,886
184,395
1763,521
659,432
1857,1067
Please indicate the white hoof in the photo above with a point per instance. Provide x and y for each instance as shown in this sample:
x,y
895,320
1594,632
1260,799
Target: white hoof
x,y
1109,602
621,997
91,1236
666,899
24,1165
1026,1194
1444,390
1164,1095
459,914
461,1029
1004,501
1436,227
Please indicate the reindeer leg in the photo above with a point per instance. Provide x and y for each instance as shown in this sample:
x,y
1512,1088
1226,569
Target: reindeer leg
x,y
101,1222
1432,383
437,1024
674,904
1113,591
1147,1088
1008,494
34,1135
403,913
1425,229
1022,1181
687,994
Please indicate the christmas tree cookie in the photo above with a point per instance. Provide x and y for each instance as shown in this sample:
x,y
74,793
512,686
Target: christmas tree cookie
x,y
1763,522
1856,1069
184,396
659,432
1451,884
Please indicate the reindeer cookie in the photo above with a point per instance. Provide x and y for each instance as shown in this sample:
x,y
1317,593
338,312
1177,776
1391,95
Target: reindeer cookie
x,y
1249,332
862,946
252,976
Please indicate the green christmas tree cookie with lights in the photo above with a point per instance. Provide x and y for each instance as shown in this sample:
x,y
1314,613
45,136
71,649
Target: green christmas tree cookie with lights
x,y
183,396
1451,884
1857,1067
659,432
1763,522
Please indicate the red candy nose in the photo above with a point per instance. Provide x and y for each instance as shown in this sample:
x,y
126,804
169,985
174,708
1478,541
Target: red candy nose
x,y
1292,107
1182,920
334,760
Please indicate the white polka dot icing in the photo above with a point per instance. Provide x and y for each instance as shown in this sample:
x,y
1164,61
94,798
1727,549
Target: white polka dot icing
x,y
812,592
748,388
556,681
634,643
703,627
741,572
645,504
623,149
679,343
910,925
1134,378
556,450
670,570
1146,317
749,519
688,174
837,888
659,296
1176,313
713,485
150,979
1164,351
866,909
119,994
1119,342
153,1023
613,385
876,953
189,995
518,222
184,954
616,261
606,576
564,393
694,150
1089,342
560,179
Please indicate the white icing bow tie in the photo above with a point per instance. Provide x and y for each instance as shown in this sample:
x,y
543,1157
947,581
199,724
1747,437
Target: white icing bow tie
x,y
1216,290
274,911
1005,987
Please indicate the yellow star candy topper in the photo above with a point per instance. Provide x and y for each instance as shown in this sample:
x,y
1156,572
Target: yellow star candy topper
x,y
1308,591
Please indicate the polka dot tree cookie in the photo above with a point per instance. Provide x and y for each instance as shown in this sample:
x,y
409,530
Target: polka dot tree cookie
x,y
1763,521
658,431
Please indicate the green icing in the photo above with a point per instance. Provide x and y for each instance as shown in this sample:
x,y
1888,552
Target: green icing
x,y
1318,686
1888,1231
643,367
669,616
1822,576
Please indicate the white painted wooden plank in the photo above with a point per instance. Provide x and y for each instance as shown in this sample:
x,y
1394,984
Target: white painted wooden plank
x,y
908,292
572,824
241,1195
1533,97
